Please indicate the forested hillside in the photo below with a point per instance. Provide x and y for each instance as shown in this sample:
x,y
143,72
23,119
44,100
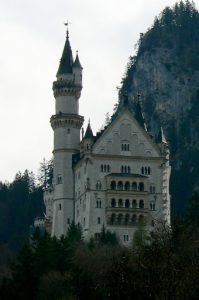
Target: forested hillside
x,y
165,71
20,202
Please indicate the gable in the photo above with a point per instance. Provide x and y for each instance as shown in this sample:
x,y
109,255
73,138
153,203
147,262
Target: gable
x,y
124,136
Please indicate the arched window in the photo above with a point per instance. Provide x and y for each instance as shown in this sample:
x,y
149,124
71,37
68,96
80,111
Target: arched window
x,y
120,218
134,219
120,185
141,204
100,204
127,147
129,169
134,203
125,169
98,220
141,186
113,185
113,202
141,219
142,170
120,203
122,169
97,204
127,186
102,168
126,220
134,186
124,147
149,170
145,170
127,203
108,168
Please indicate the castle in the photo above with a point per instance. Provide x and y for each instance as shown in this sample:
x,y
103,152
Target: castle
x,y
117,178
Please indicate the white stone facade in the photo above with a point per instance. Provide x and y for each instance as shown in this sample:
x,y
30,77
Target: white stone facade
x,y
117,179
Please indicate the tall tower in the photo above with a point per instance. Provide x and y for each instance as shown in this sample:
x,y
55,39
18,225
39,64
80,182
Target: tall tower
x,y
66,124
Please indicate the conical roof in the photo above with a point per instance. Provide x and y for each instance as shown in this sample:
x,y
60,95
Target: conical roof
x,y
66,62
89,132
77,62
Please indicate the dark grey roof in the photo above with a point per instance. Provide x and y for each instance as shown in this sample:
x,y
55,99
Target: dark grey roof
x,y
66,62
126,175
77,62
89,132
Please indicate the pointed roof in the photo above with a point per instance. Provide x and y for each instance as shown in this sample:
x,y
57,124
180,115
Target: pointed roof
x,y
89,132
66,62
77,62
160,137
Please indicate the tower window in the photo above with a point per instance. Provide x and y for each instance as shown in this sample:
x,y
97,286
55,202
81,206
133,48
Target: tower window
x,y
98,220
59,179
59,206
68,221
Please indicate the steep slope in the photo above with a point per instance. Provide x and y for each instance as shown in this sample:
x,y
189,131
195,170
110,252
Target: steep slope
x,y
166,74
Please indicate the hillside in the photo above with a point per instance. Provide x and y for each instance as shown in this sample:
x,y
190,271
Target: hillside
x,y
165,72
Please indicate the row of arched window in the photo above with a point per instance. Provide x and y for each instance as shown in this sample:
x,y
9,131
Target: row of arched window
x,y
127,186
105,168
125,169
145,170
127,203
126,219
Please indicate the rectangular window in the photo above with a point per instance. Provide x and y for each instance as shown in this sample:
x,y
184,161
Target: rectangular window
x,y
126,238
59,179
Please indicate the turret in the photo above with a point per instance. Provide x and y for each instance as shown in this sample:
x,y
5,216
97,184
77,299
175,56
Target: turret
x,y
87,141
77,71
66,124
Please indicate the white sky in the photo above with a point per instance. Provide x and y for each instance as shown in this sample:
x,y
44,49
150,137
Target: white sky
x,y
32,37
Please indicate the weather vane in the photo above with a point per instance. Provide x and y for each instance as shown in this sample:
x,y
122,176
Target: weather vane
x,y
67,24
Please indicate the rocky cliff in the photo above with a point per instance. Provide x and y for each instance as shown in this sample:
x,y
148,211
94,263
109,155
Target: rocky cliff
x,y
165,72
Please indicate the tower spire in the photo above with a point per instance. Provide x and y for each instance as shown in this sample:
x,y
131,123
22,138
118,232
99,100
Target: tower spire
x,y
66,62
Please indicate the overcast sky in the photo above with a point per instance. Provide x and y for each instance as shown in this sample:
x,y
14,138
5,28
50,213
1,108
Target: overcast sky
x,y
32,39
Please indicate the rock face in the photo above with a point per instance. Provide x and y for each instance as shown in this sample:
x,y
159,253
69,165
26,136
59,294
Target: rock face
x,y
165,73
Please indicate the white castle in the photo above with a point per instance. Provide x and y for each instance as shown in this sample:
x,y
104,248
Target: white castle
x,y
117,178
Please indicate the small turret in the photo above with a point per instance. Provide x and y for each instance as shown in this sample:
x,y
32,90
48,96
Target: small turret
x,y
88,138
77,70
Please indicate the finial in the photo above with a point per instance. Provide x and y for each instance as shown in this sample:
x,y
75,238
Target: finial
x,y
67,32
